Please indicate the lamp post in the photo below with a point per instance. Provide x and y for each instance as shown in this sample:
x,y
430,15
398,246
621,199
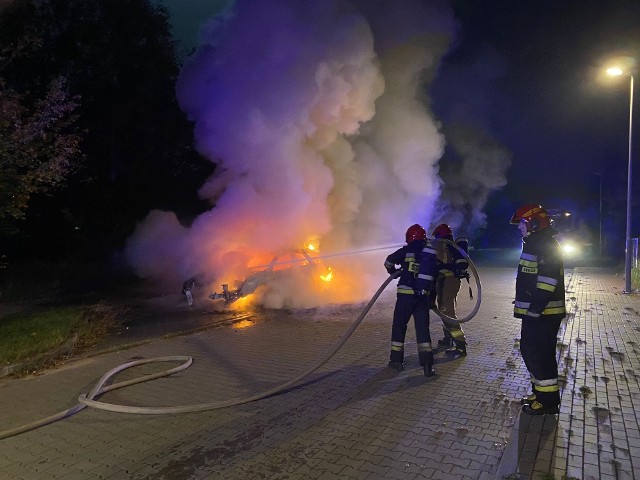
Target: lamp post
x,y
627,255
599,174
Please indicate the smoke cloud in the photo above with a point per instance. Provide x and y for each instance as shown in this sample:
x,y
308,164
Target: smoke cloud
x,y
476,166
316,118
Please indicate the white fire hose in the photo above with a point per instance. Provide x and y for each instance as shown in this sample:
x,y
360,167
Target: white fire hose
x,y
476,277
89,399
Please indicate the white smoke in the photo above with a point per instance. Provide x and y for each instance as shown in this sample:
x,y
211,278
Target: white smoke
x,y
314,114
479,167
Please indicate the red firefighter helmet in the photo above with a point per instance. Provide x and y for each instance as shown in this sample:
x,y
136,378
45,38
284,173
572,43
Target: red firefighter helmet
x,y
536,217
442,230
415,232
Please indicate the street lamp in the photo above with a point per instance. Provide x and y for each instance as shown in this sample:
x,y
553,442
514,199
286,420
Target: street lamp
x,y
615,71
599,216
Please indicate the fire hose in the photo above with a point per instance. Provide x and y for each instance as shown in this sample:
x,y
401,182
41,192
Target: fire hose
x,y
100,388
476,277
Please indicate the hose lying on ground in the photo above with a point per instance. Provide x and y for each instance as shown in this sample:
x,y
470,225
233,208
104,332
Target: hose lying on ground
x,y
89,399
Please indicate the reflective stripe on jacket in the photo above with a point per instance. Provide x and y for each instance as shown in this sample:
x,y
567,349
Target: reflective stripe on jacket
x,y
540,279
417,261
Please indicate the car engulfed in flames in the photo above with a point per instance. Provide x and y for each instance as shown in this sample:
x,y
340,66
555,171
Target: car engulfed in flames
x,y
300,263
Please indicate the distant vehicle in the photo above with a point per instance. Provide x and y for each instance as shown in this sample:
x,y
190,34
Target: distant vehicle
x,y
574,244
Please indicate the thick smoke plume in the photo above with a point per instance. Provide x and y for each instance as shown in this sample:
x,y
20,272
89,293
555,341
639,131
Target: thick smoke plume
x,y
315,117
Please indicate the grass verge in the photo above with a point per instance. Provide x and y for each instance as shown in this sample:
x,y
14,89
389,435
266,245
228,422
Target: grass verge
x,y
42,332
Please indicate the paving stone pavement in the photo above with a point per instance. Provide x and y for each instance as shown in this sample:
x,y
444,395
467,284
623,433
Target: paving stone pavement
x,y
597,433
353,418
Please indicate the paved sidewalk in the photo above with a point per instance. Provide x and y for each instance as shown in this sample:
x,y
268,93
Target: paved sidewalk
x,y
597,434
353,418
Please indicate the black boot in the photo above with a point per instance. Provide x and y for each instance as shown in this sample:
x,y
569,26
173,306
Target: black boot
x,y
428,370
427,361
399,366
536,408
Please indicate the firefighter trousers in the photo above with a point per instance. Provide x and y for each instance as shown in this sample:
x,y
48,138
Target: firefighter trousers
x,y
538,339
418,307
447,291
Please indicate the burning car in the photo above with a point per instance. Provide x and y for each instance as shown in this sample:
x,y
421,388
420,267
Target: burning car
x,y
299,261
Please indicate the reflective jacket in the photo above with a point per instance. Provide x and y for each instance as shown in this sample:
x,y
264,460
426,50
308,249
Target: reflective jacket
x,y
540,279
417,261
451,263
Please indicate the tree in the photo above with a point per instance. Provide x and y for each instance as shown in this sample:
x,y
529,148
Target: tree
x,y
119,59
38,147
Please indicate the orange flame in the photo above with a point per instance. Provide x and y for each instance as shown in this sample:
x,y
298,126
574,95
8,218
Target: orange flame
x,y
328,276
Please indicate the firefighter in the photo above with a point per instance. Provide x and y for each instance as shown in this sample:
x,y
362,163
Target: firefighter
x,y
452,267
418,268
540,303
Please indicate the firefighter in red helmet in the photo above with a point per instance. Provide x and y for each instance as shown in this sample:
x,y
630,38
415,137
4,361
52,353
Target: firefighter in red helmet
x,y
540,303
452,267
417,261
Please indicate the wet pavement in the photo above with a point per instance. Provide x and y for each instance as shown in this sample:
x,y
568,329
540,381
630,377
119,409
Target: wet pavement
x,y
353,418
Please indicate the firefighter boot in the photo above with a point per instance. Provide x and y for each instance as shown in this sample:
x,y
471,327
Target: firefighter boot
x,y
426,360
528,399
399,366
536,408
457,351
396,357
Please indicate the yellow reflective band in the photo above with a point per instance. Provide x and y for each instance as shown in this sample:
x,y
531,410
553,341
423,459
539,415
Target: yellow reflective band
x,y
528,213
407,291
522,311
395,348
424,347
550,388
527,263
553,311
546,286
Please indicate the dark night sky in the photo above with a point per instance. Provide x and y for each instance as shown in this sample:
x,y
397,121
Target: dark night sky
x,y
528,74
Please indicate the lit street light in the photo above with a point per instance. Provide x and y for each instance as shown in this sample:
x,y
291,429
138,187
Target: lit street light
x,y
615,71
